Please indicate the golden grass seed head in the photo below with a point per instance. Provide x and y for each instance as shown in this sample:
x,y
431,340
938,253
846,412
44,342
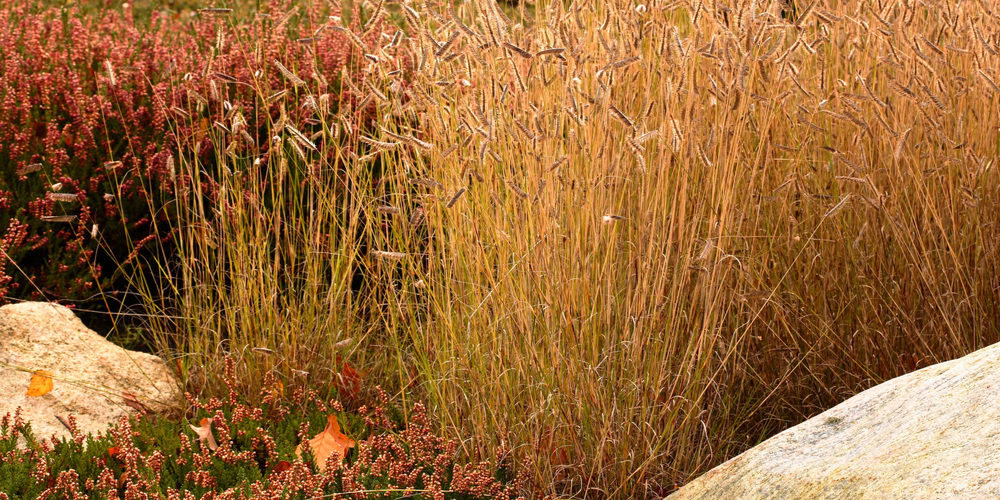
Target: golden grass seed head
x,y
418,217
294,80
838,207
897,152
516,189
389,255
988,80
552,51
58,218
27,169
934,98
216,11
454,199
64,197
621,117
378,144
427,183
518,50
982,40
556,164
298,150
111,73
300,137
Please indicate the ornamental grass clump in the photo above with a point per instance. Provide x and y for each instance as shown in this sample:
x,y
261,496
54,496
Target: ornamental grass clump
x,y
682,227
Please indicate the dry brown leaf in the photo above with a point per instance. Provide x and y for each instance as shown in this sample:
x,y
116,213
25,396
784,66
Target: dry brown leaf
x,y
41,384
133,402
330,441
347,380
65,421
282,466
205,433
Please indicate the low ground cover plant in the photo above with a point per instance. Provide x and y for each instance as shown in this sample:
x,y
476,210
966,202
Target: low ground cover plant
x,y
236,451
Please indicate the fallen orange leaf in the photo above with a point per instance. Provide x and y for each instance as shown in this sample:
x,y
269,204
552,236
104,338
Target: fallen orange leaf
x,y
41,383
330,441
282,467
205,433
348,380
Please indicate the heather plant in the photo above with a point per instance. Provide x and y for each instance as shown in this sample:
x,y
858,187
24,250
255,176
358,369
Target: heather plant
x,y
247,452
94,110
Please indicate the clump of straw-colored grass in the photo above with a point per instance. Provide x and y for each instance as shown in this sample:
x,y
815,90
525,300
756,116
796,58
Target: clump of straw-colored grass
x,y
628,243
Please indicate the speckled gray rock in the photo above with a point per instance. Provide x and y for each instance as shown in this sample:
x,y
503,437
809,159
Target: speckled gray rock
x,y
930,434
90,374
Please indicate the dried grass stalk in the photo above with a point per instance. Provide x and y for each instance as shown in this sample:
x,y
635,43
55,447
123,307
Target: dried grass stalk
x,y
621,117
27,169
64,197
897,152
517,190
378,144
58,218
518,50
552,51
427,183
455,198
389,255
294,80
300,137
838,207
